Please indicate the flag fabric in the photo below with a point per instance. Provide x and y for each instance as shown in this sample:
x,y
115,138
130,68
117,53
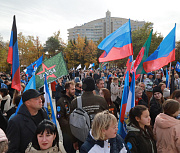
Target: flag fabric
x,y
102,65
167,77
130,104
13,58
31,85
123,105
48,103
91,65
163,55
128,65
54,68
31,69
145,52
117,45
79,67
178,67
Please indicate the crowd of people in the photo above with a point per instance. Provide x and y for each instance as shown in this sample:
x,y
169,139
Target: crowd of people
x,y
153,122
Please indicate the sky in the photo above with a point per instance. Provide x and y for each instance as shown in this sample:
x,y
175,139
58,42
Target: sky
x,y
42,18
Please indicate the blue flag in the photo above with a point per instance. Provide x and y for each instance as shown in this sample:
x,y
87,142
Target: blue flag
x,y
31,85
167,77
31,69
48,103
123,105
178,67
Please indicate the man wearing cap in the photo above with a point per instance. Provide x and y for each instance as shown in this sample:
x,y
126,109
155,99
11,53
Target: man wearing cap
x,y
21,128
91,103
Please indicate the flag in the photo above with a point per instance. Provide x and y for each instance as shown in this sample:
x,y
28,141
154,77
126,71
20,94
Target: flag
x,y
145,52
54,68
33,67
130,104
123,105
167,77
79,67
91,65
163,55
178,67
31,85
48,102
128,65
117,45
13,58
102,66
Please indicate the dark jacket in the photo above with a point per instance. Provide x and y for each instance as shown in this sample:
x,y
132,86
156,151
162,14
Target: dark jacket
x,y
116,145
155,109
59,89
21,129
139,142
91,103
78,92
63,118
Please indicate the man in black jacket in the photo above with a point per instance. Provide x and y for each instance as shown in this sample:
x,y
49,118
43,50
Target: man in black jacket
x,y
63,112
21,128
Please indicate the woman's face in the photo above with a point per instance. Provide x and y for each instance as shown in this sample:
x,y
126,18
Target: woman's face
x,y
111,131
101,93
144,120
138,94
157,95
45,140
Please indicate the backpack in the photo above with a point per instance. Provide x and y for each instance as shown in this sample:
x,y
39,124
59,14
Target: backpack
x,y
79,121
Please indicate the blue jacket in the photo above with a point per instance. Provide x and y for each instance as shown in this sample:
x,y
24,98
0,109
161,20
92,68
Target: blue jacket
x,y
116,145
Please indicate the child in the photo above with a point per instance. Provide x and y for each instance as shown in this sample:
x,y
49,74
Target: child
x,y
140,137
166,128
103,137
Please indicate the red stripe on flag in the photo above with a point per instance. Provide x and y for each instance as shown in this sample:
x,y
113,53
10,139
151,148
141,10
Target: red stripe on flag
x,y
118,53
16,82
123,112
159,63
10,55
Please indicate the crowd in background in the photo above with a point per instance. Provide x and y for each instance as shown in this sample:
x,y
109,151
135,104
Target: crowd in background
x,y
153,122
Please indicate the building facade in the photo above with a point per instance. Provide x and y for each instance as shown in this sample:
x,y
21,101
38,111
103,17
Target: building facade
x,y
101,28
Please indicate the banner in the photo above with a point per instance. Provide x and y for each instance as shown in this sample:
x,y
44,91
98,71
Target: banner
x,y
54,68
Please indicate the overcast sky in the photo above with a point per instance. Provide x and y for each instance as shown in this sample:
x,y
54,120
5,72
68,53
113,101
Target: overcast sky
x,y
44,17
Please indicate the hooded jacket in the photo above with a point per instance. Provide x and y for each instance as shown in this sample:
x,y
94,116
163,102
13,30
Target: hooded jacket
x,y
113,145
21,129
138,142
167,132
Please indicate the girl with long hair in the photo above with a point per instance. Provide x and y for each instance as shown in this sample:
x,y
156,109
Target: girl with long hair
x,y
140,137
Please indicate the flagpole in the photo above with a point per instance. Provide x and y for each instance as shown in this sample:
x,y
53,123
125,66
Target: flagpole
x,y
169,75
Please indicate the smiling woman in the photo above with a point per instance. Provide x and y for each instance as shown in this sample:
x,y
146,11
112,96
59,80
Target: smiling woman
x,y
46,139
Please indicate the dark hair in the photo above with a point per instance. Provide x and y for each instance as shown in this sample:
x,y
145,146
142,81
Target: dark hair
x,y
98,80
67,84
4,92
107,95
170,107
51,128
137,112
175,94
16,100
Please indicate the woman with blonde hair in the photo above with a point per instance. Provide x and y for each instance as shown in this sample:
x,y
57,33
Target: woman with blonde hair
x,y
103,137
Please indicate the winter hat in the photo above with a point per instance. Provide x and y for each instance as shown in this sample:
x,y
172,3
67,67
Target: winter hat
x,y
157,89
2,136
31,93
88,84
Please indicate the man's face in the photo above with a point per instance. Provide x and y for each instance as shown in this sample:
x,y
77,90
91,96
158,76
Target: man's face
x,y
35,103
71,90
100,84
142,86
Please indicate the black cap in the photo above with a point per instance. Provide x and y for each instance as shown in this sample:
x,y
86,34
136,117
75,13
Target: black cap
x,y
88,84
157,89
31,93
